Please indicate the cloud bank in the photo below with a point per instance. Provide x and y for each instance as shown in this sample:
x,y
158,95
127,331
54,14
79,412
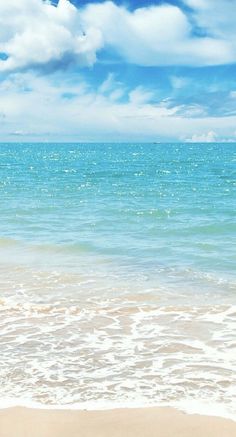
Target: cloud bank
x,y
115,100
34,107
37,33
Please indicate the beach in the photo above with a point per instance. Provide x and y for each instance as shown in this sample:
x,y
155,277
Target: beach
x,y
145,422
117,218
117,281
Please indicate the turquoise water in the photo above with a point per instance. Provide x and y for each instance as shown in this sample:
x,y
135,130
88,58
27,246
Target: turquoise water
x,y
149,206
135,229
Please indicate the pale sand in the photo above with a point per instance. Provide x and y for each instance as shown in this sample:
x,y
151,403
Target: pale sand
x,y
145,422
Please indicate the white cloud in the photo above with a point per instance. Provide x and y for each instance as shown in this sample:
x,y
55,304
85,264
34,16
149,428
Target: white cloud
x,y
55,109
33,32
216,16
156,35
179,82
191,111
209,137
109,84
140,95
36,33
112,87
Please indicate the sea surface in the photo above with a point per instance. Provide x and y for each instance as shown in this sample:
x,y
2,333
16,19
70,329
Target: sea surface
x,y
118,275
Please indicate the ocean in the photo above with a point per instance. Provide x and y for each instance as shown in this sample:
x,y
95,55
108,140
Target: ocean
x,y
117,275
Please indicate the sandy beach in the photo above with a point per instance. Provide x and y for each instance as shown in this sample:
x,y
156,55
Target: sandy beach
x,y
117,223
145,422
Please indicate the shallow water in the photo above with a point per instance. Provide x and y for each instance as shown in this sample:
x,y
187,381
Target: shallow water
x,y
117,275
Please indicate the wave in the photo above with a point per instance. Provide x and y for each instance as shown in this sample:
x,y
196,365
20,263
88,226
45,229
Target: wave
x,y
189,407
73,247
115,351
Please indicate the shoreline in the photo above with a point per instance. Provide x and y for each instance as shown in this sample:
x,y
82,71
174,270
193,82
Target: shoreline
x,y
187,407
125,422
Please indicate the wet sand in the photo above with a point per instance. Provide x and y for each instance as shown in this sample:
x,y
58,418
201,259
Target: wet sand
x,y
145,422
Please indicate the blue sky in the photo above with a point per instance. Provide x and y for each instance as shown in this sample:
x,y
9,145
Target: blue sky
x,y
118,71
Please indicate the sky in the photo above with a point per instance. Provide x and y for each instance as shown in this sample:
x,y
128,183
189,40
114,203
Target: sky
x,y
118,70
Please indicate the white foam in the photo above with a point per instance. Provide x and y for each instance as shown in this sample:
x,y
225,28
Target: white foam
x,y
189,407
114,353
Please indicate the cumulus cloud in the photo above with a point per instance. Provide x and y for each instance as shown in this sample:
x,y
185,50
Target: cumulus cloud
x,y
37,33
34,32
156,35
209,137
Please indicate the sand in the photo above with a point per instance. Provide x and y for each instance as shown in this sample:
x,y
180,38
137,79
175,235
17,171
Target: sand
x,y
144,422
